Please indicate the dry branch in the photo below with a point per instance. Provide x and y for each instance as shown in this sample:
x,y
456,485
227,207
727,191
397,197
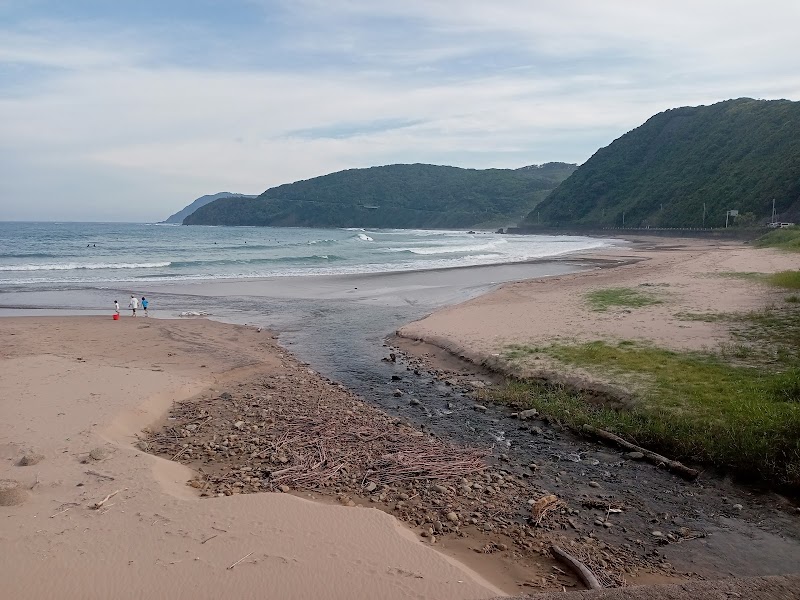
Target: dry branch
x,y
97,505
672,465
583,573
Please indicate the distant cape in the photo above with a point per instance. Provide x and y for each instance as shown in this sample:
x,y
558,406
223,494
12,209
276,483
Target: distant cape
x,y
179,216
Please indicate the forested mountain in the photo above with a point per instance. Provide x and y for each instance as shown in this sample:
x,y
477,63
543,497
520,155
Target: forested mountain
x,y
179,216
737,154
394,196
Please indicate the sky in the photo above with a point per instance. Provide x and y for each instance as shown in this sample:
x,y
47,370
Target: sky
x,y
127,111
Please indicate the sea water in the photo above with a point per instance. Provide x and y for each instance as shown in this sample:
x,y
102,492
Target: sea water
x,y
89,254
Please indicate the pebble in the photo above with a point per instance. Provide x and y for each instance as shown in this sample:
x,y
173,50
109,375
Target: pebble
x,y
414,402
98,453
397,393
480,408
656,534
371,486
285,489
635,455
527,414
439,488
738,506
594,484
453,517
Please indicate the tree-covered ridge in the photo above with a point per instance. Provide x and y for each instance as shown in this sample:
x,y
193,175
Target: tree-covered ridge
x,y
733,155
394,196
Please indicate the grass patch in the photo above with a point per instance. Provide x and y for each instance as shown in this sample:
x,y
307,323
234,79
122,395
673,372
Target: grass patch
x,y
794,298
786,239
785,279
603,299
747,275
693,406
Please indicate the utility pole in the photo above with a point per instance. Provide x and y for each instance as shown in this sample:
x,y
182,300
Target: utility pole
x,y
704,215
623,218
773,211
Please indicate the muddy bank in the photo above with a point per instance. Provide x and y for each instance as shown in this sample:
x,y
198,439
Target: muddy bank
x,y
732,530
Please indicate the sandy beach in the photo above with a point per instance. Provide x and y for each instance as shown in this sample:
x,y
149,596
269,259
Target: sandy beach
x,y
76,394
685,275
104,423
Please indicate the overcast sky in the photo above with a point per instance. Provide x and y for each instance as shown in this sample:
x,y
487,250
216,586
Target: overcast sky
x,y
127,111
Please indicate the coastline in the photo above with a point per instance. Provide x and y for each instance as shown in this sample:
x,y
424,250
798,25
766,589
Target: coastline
x,y
236,367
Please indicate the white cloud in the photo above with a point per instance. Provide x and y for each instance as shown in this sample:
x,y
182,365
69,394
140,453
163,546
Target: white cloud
x,y
119,115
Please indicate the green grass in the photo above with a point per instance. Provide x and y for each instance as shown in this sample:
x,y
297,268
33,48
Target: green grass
x,y
794,298
786,239
785,279
692,406
603,299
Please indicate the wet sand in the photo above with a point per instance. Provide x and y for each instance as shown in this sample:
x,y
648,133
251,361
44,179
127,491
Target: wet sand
x,y
79,391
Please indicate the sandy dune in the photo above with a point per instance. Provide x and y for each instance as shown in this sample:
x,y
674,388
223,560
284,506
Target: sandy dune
x,y
74,386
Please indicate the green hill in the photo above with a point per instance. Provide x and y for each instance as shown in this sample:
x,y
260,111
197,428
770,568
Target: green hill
x,y
737,154
394,196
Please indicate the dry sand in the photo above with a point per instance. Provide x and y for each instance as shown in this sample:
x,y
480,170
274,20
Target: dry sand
x,y
69,386
688,276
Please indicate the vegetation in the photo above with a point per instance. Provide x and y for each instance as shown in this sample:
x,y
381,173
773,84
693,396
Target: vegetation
x,y
601,300
786,279
403,196
179,216
737,154
786,239
692,406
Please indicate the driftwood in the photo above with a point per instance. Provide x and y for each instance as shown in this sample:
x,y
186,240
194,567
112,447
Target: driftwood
x,y
238,561
97,505
583,573
672,465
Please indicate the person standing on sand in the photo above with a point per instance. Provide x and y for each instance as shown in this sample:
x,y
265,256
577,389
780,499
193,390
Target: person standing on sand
x,y
116,307
145,302
133,304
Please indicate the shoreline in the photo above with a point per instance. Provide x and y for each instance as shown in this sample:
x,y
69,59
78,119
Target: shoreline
x,y
480,563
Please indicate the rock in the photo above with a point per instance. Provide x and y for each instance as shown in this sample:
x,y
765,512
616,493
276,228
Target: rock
x,y
98,453
738,507
414,402
528,414
452,517
480,408
31,459
477,384
397,393
536,430
396,378
656,534
239,425
501,547
11,494
635,455
439,488
285,489
594,484
371,486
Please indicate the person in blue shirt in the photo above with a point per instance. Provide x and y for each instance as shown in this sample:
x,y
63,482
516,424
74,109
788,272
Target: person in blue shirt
x,y
145,302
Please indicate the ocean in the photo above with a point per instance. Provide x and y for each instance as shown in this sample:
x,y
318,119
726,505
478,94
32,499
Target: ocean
x,y
332,295
101,254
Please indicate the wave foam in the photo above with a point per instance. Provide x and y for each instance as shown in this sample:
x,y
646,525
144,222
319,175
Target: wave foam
x,y
79,266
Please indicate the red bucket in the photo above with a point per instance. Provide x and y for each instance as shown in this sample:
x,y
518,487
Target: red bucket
x,y
116,317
